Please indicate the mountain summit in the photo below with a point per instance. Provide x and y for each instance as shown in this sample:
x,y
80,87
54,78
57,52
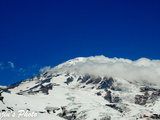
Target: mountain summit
x,y
93,88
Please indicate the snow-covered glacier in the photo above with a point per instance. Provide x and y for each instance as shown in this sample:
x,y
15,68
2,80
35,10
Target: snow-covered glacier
x,y
91,88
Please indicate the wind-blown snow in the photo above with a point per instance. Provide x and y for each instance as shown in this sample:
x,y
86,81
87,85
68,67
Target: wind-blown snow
x,y
142,70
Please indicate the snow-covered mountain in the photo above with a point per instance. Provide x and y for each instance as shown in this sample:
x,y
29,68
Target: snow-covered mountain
x,y
93,88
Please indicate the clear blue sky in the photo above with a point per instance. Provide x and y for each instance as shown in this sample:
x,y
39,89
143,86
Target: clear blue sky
x,y
36,33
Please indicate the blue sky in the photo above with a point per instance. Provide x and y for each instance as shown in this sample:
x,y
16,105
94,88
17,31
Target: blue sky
x,y
38,33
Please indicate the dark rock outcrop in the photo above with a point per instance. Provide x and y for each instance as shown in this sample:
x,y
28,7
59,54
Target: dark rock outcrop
x,y
1,98
150,96
108,96
106,83
153,116
97,80
85,78
141,99
94,80
146,89
99,93
70,79
51,109
116,100
68,115
115,107
10,108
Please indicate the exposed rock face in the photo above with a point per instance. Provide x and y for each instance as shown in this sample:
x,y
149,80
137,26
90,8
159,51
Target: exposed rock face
x,y
10,108
99,93
97,80
116,100
150,95
106,83
70,79
42,88
115,107
94,80
68,115
108,96
85,78
51,109
148,117
1,97
141,99
45,89
146,89
89,79
155,116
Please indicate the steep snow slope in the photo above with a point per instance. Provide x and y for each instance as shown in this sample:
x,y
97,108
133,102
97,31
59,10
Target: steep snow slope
x,y
94,88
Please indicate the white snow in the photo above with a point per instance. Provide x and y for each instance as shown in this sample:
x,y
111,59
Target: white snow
x,y
85,100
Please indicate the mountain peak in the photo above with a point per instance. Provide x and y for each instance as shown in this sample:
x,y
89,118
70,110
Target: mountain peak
x,y
92,88
141,70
